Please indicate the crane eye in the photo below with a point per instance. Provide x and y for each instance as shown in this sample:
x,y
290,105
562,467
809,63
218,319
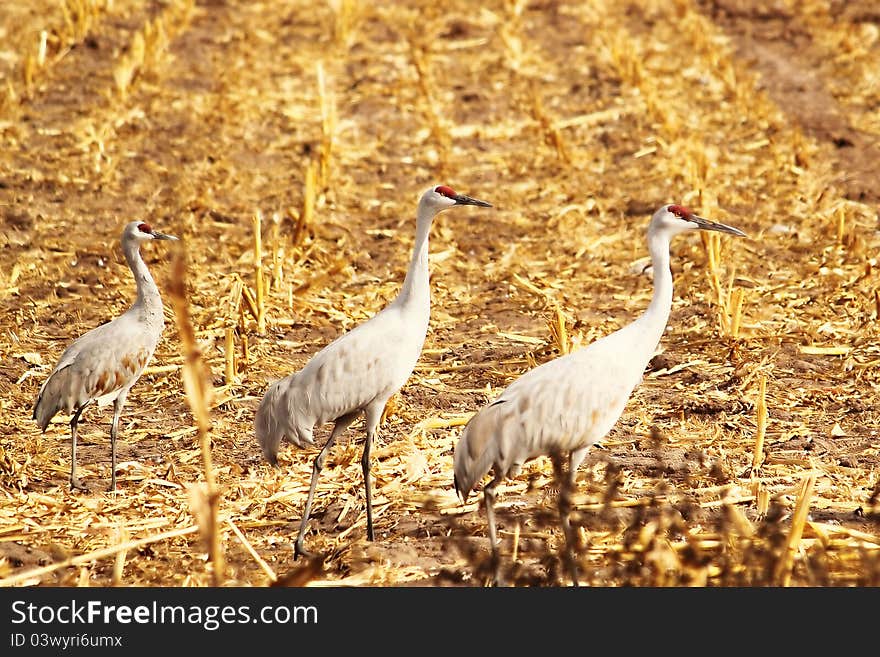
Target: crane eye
x,y
145,228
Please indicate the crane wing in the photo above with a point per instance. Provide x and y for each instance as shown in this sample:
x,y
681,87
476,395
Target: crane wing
x,y
561,406
364,366
97,365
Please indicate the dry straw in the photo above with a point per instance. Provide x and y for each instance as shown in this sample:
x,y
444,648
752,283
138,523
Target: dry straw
x,y
328,126
760,424
229,351
488,95
432,109
34,575
547,126
259,281
799,518
310,195
346,16
205,501
558,331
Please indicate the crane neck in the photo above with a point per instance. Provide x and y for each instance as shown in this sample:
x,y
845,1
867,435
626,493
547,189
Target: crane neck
x,y
416,289
656,315
147,293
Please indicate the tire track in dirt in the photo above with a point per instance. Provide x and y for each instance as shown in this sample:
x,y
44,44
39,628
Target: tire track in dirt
x,y
797,72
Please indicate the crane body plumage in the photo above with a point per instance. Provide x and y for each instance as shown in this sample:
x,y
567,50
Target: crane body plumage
x,y
357,373
99,368
103,364
348,375
565,406
539,412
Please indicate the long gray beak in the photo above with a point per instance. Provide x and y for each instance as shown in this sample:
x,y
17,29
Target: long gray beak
x,y
705,224
162,236
461,199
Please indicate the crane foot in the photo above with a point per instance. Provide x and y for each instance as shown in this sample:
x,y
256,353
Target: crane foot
x,y
300,551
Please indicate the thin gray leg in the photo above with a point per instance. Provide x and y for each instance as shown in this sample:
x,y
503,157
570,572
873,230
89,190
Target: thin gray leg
x,y
489,499
114,428
74,480
566,481
372,416
574,462
341,425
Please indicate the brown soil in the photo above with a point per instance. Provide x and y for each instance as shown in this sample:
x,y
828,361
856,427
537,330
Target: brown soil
x,y
576,120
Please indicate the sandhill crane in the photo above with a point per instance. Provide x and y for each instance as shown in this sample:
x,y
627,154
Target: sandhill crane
x,y
360,370
103,364
566,405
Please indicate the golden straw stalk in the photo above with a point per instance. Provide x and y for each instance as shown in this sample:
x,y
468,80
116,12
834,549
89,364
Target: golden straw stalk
x,y
515,554
712,245
762,499
119,563
309,197
245,350
327,126
798,520
258,271
761,424
558,331
230,356
736,312
232,308
277,253
250,548
250,304
41,50
197,385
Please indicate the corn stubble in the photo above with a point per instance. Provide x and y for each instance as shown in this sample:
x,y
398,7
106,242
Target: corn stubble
x,y
204,497
303,146
654,542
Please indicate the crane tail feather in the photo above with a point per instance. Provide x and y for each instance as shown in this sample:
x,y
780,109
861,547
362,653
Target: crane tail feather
x,y
460,490
52,397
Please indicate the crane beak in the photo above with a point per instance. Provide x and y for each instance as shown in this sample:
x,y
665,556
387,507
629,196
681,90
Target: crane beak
x,y
461,199
162,236
705,224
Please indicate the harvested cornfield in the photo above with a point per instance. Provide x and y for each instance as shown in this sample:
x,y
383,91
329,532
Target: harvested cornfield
x,y
287,143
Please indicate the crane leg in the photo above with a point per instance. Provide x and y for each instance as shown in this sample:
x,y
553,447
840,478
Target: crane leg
x,y
74,480
114,428
566,485
372,417
574,461
341,425
489,498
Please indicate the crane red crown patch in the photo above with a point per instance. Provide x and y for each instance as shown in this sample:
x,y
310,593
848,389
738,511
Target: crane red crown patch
x,y
445,191
145,228
679,211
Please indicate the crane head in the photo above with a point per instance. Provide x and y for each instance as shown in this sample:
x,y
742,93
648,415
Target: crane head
x,y
140,231
674,219
441,197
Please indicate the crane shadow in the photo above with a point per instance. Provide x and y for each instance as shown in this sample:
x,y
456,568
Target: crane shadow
x,y
300,575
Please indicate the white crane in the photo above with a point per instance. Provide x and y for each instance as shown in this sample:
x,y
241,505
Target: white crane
x,y
566,405
360,370
103,364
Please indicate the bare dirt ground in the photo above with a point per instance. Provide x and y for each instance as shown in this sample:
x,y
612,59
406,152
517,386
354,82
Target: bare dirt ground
x,y
576,120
